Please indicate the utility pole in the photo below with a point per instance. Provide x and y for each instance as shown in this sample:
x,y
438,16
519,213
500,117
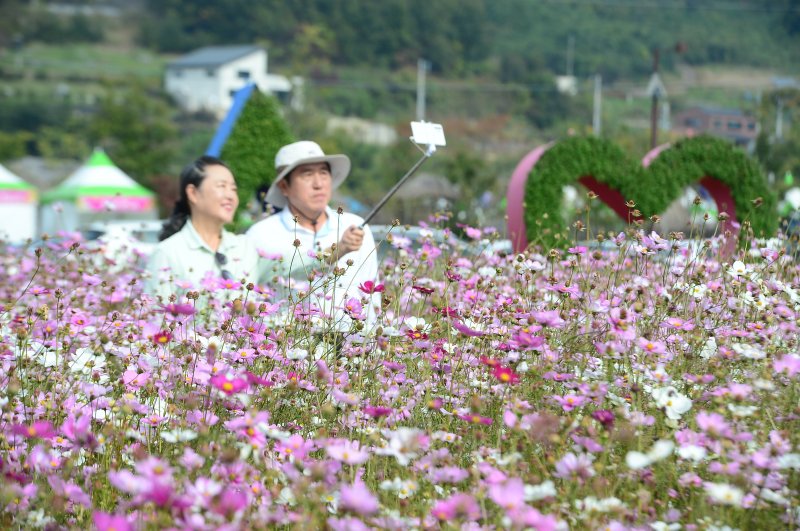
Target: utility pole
x,y
653,88
779,120
656,90
598,97
570,54
422,67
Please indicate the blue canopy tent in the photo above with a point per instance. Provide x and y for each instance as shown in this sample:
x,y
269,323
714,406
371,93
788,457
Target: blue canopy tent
x,y
240,98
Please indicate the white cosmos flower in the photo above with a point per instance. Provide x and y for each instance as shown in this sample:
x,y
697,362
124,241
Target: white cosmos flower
x,y
403,444
737,269
751,352
297,354
47,358
488,272
742,411
724,493
698,291
591,504
660,450
405,488
541,491
417,323
637,460
533,265
178,435
663,526
789,461
674,403
709,349
692,452
286,497
774,497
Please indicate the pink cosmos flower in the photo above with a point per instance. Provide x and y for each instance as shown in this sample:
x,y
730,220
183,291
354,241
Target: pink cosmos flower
x,y
570,401
505,375
230,502
678,324
111,522
357,498
254,379
530,518
377,411
525,339
650,346
549,318
416,334
228,384
790,364
573,466
713,424
447,474
423,289
476,419
295,446
370,287
347,524
605,417
509,495
354,309
176,309
348,452
162,337
459,506
41,428
467,331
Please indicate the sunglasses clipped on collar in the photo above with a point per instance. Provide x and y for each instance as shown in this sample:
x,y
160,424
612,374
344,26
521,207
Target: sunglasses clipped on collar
x,y
221,260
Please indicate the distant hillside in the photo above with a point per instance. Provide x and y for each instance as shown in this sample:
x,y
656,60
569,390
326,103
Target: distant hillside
x,y
508,39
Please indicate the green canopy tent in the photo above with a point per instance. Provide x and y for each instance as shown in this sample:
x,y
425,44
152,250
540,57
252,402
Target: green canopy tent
x,y
97,191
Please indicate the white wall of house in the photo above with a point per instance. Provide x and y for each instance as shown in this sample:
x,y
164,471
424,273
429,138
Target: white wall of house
x,y
236,74
210,89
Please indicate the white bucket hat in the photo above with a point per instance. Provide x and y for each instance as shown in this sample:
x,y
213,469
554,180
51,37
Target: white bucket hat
x,y
304,152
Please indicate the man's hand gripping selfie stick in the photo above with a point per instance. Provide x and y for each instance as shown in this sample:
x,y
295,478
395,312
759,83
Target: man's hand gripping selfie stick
x,y
422,133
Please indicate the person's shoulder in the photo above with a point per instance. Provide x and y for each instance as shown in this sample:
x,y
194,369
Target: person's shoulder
x,y
267,224
176,241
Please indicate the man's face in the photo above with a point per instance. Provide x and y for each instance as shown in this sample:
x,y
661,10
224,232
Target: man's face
x,y
309,187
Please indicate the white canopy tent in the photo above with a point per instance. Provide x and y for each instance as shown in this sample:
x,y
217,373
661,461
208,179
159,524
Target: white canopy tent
x,y
18,202
97,191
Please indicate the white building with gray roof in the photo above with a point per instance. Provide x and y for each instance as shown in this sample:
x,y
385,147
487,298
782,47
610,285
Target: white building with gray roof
x,y
205,79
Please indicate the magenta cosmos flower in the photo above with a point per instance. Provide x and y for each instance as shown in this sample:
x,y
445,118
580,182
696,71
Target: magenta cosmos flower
x,y
228,384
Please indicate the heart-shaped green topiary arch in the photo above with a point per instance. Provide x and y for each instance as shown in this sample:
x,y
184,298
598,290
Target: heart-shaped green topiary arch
x,y
604,168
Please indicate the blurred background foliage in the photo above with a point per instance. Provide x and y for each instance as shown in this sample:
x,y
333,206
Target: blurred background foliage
x,y
74,78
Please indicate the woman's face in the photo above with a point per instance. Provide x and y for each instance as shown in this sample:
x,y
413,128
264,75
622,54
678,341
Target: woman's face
x,y
215,199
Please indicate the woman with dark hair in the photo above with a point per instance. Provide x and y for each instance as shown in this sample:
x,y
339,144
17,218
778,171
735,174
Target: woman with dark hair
x,y
194,244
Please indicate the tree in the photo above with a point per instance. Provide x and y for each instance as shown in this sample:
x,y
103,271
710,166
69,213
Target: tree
x,y
135,129
250,150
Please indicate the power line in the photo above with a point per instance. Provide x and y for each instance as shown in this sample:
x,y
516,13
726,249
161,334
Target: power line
x,y
436,86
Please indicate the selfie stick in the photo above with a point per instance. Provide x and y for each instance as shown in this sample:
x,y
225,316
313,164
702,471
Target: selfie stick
x,y
422,133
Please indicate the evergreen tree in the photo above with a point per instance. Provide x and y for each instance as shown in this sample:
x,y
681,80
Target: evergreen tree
x,y
250,150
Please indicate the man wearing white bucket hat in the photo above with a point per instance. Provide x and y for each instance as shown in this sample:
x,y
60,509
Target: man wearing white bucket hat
x,y
307,237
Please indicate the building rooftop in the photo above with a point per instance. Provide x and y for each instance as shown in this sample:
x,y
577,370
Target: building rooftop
x,y
212,56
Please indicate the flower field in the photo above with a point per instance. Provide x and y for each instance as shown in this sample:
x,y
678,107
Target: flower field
x,y
646,383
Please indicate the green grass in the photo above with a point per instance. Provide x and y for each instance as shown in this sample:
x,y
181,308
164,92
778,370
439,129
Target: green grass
x,y
83,61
